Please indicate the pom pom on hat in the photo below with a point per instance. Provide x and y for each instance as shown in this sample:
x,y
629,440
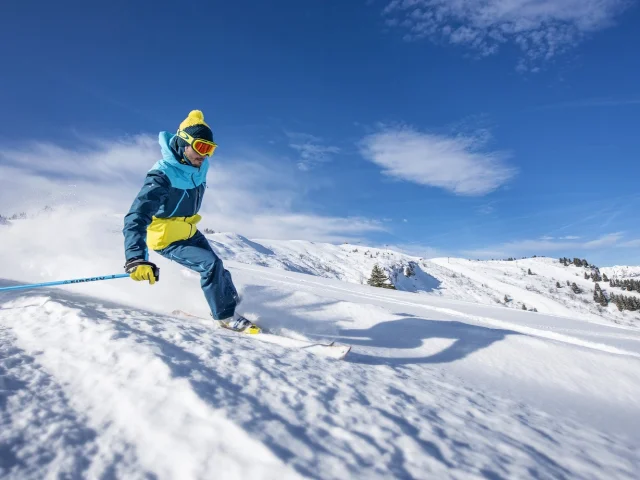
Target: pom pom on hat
x,y
195,117
195,126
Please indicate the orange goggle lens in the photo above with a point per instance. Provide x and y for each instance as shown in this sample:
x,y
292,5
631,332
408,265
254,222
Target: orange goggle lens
x,y
203,148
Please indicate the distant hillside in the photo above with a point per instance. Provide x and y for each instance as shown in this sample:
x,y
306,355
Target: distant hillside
x,y
548,289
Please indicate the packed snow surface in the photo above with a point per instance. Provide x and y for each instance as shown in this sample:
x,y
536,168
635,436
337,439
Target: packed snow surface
x,y
100,380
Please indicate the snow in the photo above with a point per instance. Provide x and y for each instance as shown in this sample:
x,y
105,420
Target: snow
x,y
485,282
100,380
622,272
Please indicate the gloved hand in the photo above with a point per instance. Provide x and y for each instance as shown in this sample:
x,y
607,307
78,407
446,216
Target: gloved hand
x,y
140,269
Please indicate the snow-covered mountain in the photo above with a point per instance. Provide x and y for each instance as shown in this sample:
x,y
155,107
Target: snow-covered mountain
x,y
100,380
485,282
622,271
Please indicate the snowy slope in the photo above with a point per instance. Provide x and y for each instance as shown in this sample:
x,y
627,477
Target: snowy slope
x,y
433,388
349,263
622,272
99,380
484,282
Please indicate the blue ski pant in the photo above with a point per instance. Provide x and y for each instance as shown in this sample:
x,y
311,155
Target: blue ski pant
x,y
197,255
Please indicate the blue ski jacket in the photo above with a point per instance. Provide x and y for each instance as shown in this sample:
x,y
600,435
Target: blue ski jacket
x,y
166,208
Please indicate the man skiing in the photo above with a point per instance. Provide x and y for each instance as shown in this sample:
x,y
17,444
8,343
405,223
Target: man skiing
x,y
164,215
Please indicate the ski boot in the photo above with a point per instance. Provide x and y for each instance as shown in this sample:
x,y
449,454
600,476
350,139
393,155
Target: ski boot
x,y
238,323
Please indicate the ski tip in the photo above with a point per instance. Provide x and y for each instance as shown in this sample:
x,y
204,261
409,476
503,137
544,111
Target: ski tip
x,y
341,351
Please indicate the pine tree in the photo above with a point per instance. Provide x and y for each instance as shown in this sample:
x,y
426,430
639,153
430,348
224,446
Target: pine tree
x,y
586,276
603,300
558,285
568,283
619,302
604,277
524,307
506,299
599,296
379,278
576,289
529,272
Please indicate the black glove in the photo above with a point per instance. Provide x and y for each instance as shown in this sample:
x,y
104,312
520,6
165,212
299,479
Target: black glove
x,y
141,269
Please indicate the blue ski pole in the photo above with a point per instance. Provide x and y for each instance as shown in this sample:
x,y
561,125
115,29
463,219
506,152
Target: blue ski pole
x,y
64,282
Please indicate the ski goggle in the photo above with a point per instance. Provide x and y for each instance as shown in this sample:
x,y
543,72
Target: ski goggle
x,y
202,147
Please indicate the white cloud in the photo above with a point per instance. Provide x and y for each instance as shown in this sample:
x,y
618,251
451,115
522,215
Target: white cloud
x,y
547,245
456,164
311,149
604,241
255,198
540,28
97,172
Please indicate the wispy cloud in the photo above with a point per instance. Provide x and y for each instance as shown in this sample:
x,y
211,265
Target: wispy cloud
x,y
312,149
487,208
457,164
568,237
254,197
548,245
541,29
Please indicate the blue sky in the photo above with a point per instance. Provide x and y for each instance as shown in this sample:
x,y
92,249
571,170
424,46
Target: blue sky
x,y
475,128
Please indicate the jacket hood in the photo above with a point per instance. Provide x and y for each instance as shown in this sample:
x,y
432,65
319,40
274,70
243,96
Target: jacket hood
x,y
164,139
181,175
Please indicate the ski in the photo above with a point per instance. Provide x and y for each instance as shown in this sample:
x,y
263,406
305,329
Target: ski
x,y
331,350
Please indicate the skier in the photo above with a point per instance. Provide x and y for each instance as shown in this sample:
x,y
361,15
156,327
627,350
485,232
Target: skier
x,y
164,215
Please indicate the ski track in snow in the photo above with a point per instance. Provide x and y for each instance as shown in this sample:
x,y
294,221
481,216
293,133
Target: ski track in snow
x,y
129,393
541,331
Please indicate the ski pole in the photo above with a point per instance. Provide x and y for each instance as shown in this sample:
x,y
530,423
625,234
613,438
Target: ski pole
x,y
64,282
